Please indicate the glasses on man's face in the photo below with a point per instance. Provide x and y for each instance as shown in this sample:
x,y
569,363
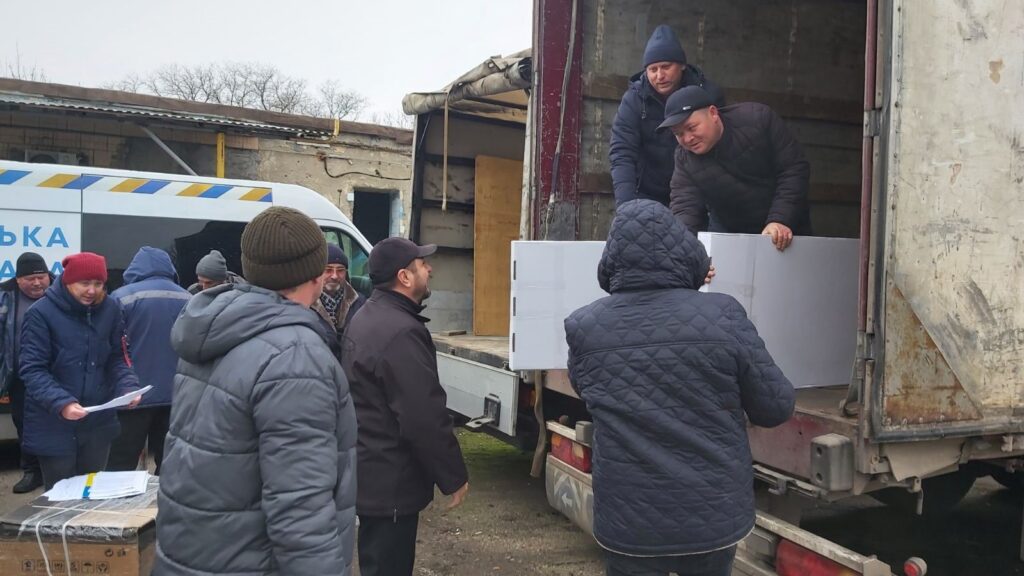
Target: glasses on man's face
x,y
335,270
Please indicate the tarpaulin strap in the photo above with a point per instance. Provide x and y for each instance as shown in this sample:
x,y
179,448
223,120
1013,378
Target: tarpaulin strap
x,y
444,157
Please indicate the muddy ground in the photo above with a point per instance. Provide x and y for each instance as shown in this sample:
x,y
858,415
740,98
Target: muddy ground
x,y
506,527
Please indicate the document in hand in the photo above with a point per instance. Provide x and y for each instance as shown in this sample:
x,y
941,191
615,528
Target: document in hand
x,y
119,401
99,486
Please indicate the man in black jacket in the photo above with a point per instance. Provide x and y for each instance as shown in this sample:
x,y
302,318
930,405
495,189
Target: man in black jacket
x,y
406,443
740,166
640,155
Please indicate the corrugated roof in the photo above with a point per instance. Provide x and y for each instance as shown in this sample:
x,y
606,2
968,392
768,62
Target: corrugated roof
x,y
36,101
171,110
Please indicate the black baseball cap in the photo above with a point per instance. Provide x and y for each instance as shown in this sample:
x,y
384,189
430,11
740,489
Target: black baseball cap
x,y
391,255
682,103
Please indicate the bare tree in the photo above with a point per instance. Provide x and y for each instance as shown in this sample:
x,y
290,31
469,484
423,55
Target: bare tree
x,y
394,119
19,70
249,85
333,102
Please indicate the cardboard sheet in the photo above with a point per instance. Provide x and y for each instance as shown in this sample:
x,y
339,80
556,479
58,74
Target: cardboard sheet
x,y
803,301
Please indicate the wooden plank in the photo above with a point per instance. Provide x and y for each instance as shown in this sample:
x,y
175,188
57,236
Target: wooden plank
x,y
498,185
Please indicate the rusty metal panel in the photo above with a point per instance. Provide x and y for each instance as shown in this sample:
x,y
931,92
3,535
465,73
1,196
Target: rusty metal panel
x,y
954,237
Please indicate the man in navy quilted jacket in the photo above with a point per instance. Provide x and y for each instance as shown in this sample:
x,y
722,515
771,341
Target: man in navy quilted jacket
x,y
671,377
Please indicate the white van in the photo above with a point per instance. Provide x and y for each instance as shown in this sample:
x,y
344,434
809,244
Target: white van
x,y
56,210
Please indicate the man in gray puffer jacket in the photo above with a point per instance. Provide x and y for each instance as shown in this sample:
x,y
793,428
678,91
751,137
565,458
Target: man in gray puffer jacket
x,y
259,472
671,377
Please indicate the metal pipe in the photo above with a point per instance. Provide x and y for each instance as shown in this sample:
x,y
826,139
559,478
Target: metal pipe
x,y
221,154
849,406
866,162
167,149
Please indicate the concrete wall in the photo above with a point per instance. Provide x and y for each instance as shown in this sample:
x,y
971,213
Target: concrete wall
x,y
372,163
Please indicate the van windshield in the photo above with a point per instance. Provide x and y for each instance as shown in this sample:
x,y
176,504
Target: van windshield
x,y
119,237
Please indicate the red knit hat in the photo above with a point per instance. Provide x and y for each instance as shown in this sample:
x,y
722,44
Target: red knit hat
x,y
84,266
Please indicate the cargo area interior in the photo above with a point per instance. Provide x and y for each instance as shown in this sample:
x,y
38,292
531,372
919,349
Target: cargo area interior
x,y
803,58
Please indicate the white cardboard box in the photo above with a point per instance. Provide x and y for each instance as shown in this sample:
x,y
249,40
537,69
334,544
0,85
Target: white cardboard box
x,y
549,281
803,301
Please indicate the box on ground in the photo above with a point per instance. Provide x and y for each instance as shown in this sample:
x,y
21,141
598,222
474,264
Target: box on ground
x,y
112,537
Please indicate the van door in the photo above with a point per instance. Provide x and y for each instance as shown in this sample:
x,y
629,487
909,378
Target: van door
x,y
39,212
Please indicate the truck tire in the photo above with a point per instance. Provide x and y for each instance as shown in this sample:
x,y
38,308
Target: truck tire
x,y
1012,480
941,494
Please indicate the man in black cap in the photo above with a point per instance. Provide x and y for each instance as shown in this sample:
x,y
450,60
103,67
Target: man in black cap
x,y
406,442
641,157
737,169
31,279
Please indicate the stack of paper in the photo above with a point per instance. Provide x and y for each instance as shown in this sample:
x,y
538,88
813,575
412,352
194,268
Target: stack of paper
x,y
99,486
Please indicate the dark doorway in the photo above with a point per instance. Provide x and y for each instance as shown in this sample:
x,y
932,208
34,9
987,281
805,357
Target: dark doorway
x,y
371,213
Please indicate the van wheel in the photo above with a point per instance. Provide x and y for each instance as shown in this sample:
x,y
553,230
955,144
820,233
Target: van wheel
x,y
941,494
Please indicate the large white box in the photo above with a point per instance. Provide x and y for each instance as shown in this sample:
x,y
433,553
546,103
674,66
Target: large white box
x,y
803,301
549,281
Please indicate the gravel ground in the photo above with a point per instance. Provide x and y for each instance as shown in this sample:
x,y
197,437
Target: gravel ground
x,y
506,526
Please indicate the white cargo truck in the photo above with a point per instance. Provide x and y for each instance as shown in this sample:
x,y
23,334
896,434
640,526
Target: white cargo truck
x,y
912,117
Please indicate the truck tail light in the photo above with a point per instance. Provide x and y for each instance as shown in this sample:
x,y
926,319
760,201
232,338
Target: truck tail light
x,y
572,453
794,560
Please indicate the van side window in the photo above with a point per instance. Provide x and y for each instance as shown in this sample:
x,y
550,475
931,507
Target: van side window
x,y
358,275
118,238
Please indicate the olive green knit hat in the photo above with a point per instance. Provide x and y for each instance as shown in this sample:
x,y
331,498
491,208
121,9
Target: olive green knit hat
x,y
282,248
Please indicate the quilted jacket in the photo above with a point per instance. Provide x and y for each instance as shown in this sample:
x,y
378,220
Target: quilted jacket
x,y
71,352
755,175
671,377
259,476
641,157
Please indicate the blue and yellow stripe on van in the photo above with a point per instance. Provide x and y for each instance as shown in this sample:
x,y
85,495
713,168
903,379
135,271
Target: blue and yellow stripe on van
x,y
151,186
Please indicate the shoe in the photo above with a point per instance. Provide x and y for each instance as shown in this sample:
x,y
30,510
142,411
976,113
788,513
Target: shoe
x,y
29,482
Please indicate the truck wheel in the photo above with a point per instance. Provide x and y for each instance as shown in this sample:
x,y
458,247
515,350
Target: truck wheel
x,y
941,494
1012,480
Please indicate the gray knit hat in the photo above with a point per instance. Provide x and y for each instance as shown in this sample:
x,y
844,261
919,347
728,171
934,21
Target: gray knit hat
x,y
213,266
282,248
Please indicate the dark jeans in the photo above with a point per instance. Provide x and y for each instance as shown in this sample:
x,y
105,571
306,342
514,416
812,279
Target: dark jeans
x,y
139,427
29,463
387,545
90,457
717,563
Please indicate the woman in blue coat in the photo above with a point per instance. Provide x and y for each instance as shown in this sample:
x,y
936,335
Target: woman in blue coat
x,y
73,356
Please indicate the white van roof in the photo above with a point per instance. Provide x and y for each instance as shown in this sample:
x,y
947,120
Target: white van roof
x,y
111,191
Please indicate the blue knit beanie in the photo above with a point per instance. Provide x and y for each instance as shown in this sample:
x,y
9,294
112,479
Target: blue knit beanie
x,y
663,47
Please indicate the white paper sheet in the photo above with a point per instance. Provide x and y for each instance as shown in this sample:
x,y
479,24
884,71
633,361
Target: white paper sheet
x,y
119,401
99,486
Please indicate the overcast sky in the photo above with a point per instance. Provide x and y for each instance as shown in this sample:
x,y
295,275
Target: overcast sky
x,y
381,48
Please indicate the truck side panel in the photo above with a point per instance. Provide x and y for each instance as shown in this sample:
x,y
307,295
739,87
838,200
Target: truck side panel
x,y
953,302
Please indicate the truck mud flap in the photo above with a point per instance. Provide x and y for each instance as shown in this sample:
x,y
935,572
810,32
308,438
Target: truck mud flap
x,y
570,492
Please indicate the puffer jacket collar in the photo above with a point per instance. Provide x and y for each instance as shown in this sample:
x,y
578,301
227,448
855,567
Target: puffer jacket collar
x,y
219,319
